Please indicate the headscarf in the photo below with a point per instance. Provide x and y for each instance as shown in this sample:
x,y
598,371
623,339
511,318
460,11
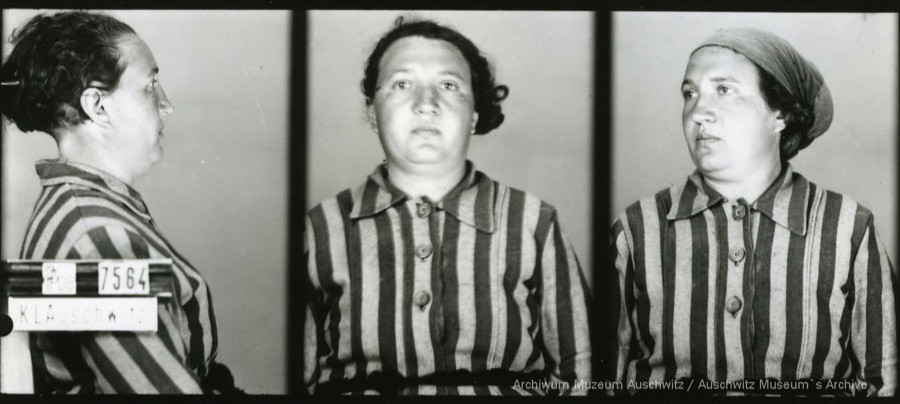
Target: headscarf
x,y
777,57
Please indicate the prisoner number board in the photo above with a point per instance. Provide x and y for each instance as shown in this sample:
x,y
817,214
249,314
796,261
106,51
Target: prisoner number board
x,y
121,306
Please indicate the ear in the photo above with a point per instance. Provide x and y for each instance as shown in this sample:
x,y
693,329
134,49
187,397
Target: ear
x,y
474,122
780,121
370,115
92,104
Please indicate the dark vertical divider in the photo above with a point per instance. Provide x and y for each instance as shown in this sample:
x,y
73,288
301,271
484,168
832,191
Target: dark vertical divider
x,y
297,206
601,328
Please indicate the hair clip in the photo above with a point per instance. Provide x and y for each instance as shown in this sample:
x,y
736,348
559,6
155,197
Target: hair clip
x,y
11,83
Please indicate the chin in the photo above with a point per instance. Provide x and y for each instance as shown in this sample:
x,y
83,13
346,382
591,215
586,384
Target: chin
x,y
707,165
427,158
154,158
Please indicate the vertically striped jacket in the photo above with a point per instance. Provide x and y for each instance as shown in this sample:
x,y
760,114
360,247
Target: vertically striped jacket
x,y
794,286
85,213
481,280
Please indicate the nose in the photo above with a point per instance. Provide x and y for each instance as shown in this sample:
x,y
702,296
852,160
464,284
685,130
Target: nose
x,y
165,106
426,102
701,112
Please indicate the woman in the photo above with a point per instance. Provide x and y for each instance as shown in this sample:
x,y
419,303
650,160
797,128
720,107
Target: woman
x,y
92,84
746,276
431,278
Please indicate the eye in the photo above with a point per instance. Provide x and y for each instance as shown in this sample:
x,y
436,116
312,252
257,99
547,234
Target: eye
x,y
724,90
688,94
401,85
449,86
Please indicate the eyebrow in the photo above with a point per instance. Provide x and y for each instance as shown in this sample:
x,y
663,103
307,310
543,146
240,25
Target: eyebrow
x,y
725,78
714,80
441,73
452,73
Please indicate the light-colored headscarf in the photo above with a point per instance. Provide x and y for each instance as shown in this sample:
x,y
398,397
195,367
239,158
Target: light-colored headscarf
x,y
777,57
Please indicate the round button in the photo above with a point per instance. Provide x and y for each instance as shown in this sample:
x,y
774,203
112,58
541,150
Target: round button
x,y
423,209
736,254
422,298
739,212
733,304
423,251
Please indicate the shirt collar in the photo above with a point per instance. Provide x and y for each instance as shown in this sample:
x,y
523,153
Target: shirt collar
x,y
55,172
784,202
471,201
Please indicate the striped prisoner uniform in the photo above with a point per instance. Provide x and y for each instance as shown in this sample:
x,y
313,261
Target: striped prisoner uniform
x,y
479,282
795,286
84,213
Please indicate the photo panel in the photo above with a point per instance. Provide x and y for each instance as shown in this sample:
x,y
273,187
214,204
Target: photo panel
x,y
219,193
713,286
544,146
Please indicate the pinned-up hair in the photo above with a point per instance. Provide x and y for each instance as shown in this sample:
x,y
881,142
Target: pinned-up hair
x,y
54,59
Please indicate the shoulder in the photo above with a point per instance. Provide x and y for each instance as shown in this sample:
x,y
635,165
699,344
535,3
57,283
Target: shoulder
x,y
329,215
833,201
831,208
528,203
70,217
68,204
658,203
340,202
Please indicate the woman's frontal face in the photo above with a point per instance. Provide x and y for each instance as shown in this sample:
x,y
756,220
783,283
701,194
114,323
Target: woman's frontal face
x,y
424,107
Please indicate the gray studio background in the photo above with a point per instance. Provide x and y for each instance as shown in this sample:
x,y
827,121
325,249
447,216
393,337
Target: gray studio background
x,y
545,144
856,54
220,191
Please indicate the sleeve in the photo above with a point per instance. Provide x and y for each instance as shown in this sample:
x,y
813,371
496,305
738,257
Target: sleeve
x,y
130,362
565,300
873,320
618,340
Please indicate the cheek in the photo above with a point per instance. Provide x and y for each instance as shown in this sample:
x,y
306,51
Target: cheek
x,y
686,111
389,110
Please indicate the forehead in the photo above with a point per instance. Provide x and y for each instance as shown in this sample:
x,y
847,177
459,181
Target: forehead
x,y
420,51
716,61
136,56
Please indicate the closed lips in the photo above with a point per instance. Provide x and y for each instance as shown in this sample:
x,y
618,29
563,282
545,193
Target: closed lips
x,y
426,130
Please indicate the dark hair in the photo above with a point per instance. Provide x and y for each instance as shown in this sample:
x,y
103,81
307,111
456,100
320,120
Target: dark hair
x,y
54,59
488,95
798,116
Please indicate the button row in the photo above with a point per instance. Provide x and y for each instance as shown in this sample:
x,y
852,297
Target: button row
x,y
423,251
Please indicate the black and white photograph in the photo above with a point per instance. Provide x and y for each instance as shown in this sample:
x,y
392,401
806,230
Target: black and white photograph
x,y
753,243
605,201
449,186
151,134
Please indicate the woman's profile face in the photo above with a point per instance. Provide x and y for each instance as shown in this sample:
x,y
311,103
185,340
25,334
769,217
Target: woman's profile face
x,y
136,107
424,107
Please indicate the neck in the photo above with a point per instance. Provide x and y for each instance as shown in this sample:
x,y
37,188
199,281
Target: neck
x,y
749,187
78,146
433,184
